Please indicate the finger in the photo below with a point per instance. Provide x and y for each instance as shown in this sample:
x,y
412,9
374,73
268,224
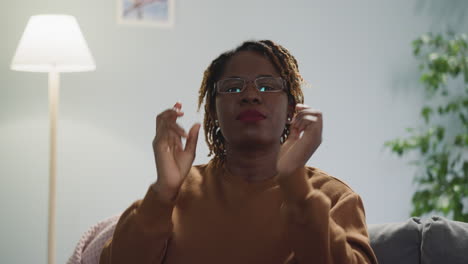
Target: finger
x,y
292,139
169,133
293,133
175,111
312,132
307,111
192,139
178,105
301,121
317,115
300,107
169,115
306,108
178,108
179,144
305,121
178,130
174,141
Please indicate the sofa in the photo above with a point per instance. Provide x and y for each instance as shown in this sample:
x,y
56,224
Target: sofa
x,y
435,240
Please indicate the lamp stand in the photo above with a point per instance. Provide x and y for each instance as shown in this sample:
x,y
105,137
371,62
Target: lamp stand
x,y
52,44
54,83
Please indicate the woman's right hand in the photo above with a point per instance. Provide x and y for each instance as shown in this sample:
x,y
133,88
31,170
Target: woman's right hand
x,y
173,161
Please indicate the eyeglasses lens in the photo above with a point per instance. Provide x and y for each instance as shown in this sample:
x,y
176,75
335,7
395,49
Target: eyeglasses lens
x,y
234,85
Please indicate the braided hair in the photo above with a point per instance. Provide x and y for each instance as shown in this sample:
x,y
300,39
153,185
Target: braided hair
x,y
282,60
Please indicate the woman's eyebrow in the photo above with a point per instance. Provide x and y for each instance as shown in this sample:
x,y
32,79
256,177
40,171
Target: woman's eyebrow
x,y
258,76
240,77
264,75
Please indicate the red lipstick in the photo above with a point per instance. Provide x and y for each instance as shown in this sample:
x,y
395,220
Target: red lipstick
x,y
250,116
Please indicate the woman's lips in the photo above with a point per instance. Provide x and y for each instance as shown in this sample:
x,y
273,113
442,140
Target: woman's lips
x,y
250,116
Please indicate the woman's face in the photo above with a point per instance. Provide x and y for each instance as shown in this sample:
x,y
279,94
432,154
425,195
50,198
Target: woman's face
x,y
251,118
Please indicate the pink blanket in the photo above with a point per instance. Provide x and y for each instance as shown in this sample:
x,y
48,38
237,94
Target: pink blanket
x,y
89,248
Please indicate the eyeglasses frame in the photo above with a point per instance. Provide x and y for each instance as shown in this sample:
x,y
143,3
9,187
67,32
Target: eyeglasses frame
x,y
284,88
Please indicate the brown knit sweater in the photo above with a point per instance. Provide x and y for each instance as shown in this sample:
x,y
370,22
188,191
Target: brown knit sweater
x,y
219,218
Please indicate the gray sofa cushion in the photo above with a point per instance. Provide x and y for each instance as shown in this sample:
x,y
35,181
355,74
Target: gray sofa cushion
x,y
397,243
444,241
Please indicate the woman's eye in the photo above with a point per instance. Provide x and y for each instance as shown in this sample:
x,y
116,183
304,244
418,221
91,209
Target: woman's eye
x,y
233,90
264,88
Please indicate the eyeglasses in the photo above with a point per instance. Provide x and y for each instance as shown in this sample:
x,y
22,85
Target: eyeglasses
x,y
238,85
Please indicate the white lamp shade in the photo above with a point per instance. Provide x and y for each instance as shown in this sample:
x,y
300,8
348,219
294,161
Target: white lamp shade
x,y
52,43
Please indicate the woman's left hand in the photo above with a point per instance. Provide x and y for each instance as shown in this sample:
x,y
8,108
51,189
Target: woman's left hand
x,y
297,149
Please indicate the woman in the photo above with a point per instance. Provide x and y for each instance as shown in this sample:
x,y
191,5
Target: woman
x,y
255,201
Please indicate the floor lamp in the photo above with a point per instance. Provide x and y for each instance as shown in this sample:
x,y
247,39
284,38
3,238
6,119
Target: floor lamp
x,y
53,44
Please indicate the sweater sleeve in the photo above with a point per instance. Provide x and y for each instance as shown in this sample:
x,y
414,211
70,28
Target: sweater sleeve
x,y
321,233
141,234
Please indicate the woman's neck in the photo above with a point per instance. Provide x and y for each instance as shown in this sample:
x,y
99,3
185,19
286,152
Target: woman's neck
x,y
252,164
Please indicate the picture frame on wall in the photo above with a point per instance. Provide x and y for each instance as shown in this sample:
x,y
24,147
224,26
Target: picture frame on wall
x,y
155,13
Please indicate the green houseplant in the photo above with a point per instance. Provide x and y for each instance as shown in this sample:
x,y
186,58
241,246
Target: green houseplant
x,y
440,143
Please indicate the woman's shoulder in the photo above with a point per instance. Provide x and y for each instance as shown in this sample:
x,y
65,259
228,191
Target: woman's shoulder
x,y
331,186
198,172
201,169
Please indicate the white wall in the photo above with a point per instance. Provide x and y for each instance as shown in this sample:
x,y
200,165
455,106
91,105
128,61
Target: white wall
x,y
355,54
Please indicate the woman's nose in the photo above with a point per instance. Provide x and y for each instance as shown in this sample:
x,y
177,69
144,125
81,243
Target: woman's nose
x,y
251,94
